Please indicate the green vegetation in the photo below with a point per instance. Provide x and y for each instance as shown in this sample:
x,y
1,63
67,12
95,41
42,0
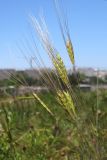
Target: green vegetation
x,y
28,131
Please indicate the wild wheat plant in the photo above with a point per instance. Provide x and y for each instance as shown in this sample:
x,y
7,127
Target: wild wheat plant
x,y
86,136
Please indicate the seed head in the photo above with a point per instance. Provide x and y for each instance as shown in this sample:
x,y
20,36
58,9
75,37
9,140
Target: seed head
x,y
70,51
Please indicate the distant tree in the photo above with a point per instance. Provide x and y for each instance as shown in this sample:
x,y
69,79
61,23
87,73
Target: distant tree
x,y
76,78
93,80
21,78
105,78
6,82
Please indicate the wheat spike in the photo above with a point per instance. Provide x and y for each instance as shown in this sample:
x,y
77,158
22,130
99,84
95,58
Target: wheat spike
x,y
70,51
60,67
66,101
42,103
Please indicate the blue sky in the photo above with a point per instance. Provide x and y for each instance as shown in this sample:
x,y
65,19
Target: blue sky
x,y
87,23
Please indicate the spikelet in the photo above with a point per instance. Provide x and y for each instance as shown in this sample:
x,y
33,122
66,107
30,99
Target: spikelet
x,y
70,51
66,101
42,103
60,67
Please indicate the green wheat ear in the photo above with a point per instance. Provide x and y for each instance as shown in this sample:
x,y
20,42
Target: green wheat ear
x,y
42,103
70,51
66,101
60,67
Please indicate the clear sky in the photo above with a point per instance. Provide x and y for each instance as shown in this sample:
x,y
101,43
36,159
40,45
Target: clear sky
x,y
87,22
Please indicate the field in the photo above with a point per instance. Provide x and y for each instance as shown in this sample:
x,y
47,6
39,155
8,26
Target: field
x,y
28,131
